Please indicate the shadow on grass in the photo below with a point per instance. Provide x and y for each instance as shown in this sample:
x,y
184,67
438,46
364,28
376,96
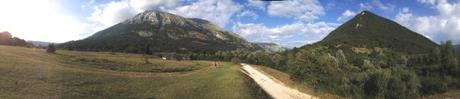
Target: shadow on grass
x,y
107,64
256,91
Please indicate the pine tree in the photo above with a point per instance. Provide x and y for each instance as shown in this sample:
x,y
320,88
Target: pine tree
x,y
147,53
279,60
51,48
435,55
448,59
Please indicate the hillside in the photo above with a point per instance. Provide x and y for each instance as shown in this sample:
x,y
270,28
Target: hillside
x,y
7,39
33,73
372,57
162,32
369,30
457,51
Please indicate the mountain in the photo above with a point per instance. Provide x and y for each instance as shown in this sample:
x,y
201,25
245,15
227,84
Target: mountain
x,y
272,47
372,57
7,39
369,30
457,51
39,43
162,32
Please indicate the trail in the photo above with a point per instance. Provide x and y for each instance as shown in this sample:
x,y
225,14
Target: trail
x,y
272,86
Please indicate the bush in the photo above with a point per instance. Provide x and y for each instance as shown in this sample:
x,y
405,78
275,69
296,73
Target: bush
x,y
376,84
51,48
433,85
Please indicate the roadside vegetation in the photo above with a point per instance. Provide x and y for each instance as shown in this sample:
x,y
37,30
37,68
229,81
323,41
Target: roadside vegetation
x,y
360,72
374,72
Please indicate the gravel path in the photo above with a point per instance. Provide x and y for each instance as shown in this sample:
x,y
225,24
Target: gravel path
x,y
272,86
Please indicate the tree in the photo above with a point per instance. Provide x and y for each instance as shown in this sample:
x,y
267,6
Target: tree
x,y
147,53
376,83
342,59
235,60
448,59
435,55
51,48
279,60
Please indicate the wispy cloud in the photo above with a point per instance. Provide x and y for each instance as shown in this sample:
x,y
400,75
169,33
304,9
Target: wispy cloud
x,y
303,10
347,14
284,34
440,27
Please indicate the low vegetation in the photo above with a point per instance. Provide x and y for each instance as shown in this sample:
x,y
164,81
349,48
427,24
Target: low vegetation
x,y
374,72
360,72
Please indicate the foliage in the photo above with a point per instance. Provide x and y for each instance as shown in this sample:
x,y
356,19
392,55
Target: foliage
x,y
448,59
51,48
378,73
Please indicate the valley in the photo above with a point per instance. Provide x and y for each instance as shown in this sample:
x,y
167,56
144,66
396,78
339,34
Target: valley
x,y
231,49
33,73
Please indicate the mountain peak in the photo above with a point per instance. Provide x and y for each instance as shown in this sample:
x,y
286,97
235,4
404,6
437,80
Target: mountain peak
x,y
155,17
167,32
367,14
367,29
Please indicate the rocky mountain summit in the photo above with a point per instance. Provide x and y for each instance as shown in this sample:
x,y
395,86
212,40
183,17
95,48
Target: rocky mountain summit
x,y
162,32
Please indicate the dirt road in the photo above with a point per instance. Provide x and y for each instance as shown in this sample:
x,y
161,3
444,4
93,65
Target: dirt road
x,y
272,86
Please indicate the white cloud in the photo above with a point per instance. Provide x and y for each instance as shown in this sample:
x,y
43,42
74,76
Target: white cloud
x,y
427,1
216,11
383,6
441,27
106,15
346,15
284,34
257,3
304,10
142,5
365,6
248,14
39,20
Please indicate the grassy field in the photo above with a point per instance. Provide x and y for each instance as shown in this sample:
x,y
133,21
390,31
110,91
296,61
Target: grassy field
x,y
32,73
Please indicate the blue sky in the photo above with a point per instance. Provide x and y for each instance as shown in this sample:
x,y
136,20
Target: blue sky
x,y
289,23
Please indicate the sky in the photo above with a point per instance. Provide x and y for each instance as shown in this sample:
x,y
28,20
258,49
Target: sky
x,y
290,23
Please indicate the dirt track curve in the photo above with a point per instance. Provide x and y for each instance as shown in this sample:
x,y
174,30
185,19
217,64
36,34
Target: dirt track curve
x,y
272,86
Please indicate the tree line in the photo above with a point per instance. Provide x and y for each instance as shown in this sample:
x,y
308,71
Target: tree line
x,y
359,72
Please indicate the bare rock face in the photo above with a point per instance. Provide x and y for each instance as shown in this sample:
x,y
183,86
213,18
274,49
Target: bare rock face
x,y
272,47
160,19
156,17
166,32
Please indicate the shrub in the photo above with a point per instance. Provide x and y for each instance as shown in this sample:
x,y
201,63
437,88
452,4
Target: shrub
x,y
51,48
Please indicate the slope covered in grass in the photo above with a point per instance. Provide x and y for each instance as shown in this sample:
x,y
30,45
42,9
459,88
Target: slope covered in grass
x,y
32,73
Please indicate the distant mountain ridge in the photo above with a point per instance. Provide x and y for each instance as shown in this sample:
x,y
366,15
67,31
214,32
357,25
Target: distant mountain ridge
x,y
162,32
271,47
39,43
